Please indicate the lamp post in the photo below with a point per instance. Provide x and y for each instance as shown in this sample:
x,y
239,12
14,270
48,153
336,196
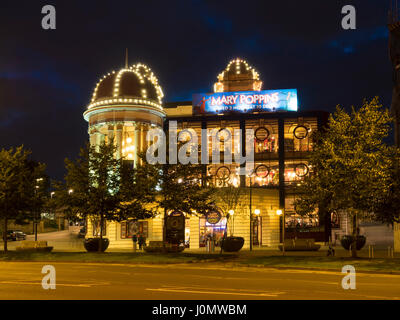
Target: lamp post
x,y
35,213
257,213
231,214
35,218
251,196
281,212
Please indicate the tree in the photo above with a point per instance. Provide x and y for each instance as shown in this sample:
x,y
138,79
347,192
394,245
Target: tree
x,y
39,193
102,188
230,198
351,164
181,187
184,188
91,186
17,185
387,209
137,191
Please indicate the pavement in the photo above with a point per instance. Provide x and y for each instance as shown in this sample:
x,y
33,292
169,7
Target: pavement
x,y
93,281
61,241
67,241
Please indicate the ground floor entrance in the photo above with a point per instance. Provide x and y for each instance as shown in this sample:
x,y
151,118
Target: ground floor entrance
x,y
211,232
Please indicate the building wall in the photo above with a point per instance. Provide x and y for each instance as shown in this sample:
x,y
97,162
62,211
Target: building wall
x,y
266,200
376,233
396,237
345,228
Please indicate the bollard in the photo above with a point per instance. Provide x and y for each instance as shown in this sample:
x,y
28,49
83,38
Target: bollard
x,y
370,251
390,252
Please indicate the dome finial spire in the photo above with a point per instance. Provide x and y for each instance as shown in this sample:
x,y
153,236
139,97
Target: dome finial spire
x,y
126,58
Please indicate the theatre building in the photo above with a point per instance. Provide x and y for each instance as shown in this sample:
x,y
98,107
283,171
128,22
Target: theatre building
x,y
127,103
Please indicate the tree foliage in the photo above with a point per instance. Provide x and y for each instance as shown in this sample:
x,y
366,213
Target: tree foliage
x,y
351,162
19,188
101,188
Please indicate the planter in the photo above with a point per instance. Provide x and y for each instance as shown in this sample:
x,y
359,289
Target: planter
x,y
346,242
232,244
92,244
157,247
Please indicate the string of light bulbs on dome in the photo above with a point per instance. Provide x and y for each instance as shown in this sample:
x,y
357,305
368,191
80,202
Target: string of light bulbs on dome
x,y
238,62
143,73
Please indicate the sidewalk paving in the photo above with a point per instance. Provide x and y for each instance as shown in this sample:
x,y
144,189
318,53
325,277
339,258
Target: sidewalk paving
x,y
64,241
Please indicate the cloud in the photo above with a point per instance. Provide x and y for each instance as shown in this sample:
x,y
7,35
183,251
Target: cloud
x,y
348,41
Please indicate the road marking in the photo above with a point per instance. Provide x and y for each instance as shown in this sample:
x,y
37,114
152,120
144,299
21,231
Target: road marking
x,y
215,292
183,290
58,284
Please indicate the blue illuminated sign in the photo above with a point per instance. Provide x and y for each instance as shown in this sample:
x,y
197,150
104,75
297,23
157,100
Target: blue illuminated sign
x,y
246,101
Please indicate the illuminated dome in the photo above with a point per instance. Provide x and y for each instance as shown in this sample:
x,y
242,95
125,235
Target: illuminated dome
x,y
125,105
238,76
130,90
134,85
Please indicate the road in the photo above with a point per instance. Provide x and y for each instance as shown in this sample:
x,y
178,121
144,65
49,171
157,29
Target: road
x,y
22,280
65,241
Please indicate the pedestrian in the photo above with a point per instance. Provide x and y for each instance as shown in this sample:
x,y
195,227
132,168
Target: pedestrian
x,y
331,251
142,241
134,239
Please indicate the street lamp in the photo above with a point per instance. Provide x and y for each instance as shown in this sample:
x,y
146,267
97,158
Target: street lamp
x,y
281,212
251,174
231,213
70,191
257,213
36,213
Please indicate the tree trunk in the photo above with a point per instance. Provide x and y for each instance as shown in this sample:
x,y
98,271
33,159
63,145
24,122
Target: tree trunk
x,y
355,234
101,233
165,230
224,236
5,234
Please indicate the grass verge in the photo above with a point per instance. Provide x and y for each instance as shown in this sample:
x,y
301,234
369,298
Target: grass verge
x,y
115,257
379,265
328,263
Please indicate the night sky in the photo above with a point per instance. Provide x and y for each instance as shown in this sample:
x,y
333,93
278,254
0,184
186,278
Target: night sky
x,y
47,76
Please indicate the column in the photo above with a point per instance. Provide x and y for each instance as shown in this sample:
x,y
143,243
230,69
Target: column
x,y
136,144
110,133
97,139
92,138
118,137
144,130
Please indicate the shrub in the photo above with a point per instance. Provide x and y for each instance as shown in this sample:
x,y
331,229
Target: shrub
x,y
347,240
